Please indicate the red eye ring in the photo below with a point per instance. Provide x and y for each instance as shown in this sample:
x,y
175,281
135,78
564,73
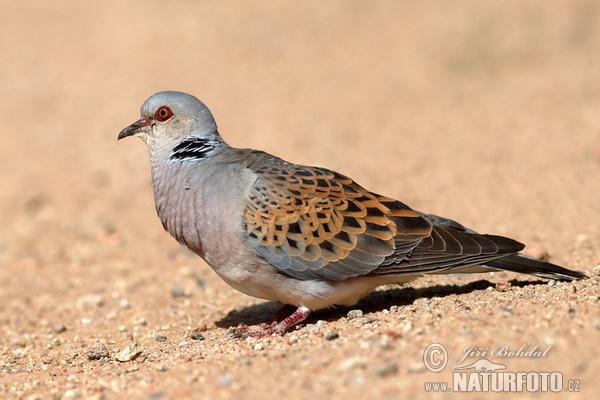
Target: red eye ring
x,y
163,114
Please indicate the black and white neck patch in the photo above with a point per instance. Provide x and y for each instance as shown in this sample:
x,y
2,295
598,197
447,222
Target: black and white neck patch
x,y
193,148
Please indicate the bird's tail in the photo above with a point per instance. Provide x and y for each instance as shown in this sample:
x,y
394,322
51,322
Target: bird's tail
x,y
528,265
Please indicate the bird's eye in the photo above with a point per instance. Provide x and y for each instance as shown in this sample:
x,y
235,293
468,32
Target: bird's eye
x,y
163,113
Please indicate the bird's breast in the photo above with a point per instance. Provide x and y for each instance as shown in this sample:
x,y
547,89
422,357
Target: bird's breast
x,y
201,207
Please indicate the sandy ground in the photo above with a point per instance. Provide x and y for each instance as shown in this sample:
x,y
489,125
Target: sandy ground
x,y
485,112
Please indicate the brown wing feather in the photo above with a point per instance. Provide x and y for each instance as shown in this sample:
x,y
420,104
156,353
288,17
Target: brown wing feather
x,y
311,222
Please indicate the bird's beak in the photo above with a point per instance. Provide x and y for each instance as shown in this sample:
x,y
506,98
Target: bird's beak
x,y
133,129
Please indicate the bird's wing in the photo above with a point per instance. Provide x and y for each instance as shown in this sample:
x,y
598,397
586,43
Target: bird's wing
x,y
314,223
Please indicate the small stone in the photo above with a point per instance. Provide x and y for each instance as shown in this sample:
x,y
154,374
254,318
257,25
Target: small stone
x,y
357,379
202,327
551,282
503,286
332,336
161,338
582,237
90,301
98,351
129,353
572,288
196,336
597,270
506,311
353,314
293,338
385,368
259,346
312,327
59,327
178,291
124,304
416,367
352,363
226,380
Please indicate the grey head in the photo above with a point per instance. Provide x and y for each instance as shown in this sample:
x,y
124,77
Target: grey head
x,y
171,117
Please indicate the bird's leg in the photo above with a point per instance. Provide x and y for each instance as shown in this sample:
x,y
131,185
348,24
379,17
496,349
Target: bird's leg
x,y
279,327
282,314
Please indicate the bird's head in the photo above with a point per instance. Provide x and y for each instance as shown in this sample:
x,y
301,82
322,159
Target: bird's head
x,y
172,116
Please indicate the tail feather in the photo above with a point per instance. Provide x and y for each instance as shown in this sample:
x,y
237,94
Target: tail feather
x,y
528,265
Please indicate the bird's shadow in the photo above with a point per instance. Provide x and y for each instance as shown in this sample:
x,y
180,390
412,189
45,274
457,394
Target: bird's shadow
x,y
373,302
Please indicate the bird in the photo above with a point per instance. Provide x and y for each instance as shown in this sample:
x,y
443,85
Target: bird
x,y
305,236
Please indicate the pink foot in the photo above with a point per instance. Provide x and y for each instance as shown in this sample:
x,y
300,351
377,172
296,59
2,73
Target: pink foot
x,y
281,327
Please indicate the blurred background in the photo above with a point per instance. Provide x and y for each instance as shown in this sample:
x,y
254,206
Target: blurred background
x,y
485,112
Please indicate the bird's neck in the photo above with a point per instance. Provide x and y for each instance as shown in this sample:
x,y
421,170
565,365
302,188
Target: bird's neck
x,y
184,177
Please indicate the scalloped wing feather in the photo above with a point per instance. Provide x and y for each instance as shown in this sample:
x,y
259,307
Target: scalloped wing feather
x,y
314,223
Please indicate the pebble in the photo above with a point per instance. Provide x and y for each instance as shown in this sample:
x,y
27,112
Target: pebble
x,y
572,288
312,327
353,314
59,327
196,336
178,291
89,301
506,311
226,380
416,367
161,338
356,379
332,336
129,353
124,304
202,327
385,368
352,363
98,351
551,282
293,338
